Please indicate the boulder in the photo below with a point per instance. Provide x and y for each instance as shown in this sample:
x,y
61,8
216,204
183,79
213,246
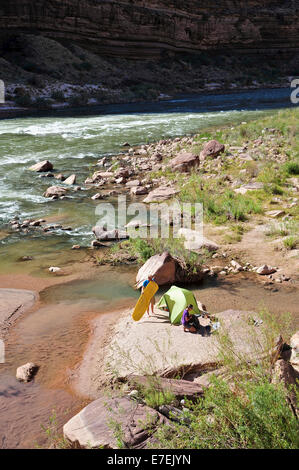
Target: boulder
x,y
98,176
160,194
275,214
122,173
294,343
213,148
97,424
132,183
45,165
114,234
195,241
70,180
285,373
26,372
55,192
138,190
157,347
184,161
249,187
161,266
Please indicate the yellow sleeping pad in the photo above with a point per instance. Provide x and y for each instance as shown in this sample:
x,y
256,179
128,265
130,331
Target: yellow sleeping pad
x,y
144,300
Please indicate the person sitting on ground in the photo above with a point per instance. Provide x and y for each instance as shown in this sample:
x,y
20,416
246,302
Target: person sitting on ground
x,y
153,300
188,321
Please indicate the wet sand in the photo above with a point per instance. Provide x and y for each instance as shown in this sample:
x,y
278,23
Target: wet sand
x,y
13,303
53,333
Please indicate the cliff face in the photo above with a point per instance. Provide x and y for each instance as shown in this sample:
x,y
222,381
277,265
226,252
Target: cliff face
x,y
144,29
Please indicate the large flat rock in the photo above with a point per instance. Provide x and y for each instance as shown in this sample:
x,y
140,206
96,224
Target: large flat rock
x,y
102,422
153,345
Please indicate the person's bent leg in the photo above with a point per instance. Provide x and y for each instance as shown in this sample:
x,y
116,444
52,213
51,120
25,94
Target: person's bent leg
x,y
153,304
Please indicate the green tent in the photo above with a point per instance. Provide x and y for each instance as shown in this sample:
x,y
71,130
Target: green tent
x,y
175,300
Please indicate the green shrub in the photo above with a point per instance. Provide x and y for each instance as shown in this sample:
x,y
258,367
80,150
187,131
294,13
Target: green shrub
x,y
155,398
58,95
41,103
291,242
78,100
256,415
245,408
142,248
291,168
23,100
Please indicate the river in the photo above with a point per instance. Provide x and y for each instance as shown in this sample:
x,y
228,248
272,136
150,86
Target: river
x,y
74,144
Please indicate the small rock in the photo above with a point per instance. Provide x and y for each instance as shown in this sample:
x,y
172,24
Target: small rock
x,y
55,192
275,214
184,161
213,148
138,190
160,194
26,258
54,269
98,196
70,180
60,177
45,165
26,372
132,183
265,270
236,265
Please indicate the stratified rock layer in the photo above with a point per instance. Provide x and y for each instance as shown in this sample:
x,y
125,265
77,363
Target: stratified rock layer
x,y
145,29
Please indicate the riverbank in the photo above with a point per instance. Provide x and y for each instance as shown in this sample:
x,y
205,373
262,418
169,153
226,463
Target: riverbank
x,y
73,76
11,110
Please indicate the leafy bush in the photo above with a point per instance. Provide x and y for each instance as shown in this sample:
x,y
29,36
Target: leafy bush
x,y
256,415
58,95
78,100
291,242
292,168
142,248
154,397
